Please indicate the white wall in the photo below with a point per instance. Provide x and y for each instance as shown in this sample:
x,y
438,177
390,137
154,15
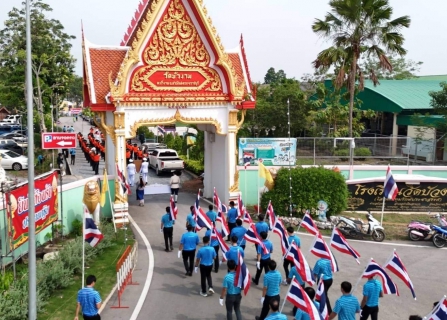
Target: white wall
x,y
216,166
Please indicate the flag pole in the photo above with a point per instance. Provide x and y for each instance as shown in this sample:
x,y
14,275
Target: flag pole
x,y
383,209
83,248
285,299
431,312
245,182
288,250
257,188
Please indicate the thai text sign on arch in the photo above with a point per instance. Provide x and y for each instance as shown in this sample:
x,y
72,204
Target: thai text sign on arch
x,y
45,204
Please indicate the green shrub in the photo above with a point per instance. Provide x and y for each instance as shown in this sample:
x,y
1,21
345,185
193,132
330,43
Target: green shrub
x,y
341,152
309,185
195,166
362,152
76,227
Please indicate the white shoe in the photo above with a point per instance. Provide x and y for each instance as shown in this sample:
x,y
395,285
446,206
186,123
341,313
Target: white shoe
x,y
285,283
203,294
210,291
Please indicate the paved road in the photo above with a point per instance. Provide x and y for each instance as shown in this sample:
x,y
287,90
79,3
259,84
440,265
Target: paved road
x,y
174,296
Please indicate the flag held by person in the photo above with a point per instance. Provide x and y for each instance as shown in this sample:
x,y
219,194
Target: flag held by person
x,y
439,312
223,246
396,266
202,220
279,229
221,208
247,218
321,250
252,236
390,186
125,188
91,232
241,210
299,298
173,207
105,188
338,242
271,215
373,269
223,221
320,296
242,279
296,256
308,224
265,173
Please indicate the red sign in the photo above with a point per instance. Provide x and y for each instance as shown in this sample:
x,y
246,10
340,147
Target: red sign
x,y
45,204
58,140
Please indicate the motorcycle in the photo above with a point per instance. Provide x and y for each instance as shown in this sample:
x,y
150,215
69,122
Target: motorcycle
x,y
418,230
356,229
440,237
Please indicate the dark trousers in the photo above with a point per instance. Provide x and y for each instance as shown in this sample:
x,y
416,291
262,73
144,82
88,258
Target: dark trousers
x,y
266,305
96,166
97,317
188,259
216,260
327,285
369,311
72,159
167,233
231,226
205,276
286,265
264,265
233,301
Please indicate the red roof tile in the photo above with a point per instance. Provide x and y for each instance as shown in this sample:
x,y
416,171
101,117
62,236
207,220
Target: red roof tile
x,y
236,61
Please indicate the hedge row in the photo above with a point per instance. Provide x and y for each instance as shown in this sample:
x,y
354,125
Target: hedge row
x,y
195,166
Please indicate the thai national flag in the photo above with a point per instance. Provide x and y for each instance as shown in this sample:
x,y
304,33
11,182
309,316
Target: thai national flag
x,y
122,181
320,296
252,236
396,266
321,250
242,278
223,246
309,224
271,215
299,298
390,186
296,256
373,269
221,208
338,242
241,210
91,232
279,229
161,129
440,312
223,221
202,220
247,218
173,207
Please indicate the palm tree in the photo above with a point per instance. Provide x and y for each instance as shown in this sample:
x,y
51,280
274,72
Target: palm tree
x,y
358,28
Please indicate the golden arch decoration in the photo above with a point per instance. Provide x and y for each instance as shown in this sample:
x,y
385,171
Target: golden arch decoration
x,y
176,117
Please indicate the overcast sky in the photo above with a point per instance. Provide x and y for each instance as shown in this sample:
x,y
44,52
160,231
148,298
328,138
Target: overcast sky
x,y
277,33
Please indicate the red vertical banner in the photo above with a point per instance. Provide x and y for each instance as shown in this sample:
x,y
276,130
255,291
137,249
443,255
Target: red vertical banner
x,y
46,208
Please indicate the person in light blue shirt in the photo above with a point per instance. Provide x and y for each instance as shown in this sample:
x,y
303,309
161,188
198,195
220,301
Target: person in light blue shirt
x,y
260,226
190,221
211,214
188,245
231,293
231,218
216,246
234,251
294,273
275,315
300,314
89,300
271,289
205,258
287,263
239,232
323,267
263,257
347,306
372,291
167,228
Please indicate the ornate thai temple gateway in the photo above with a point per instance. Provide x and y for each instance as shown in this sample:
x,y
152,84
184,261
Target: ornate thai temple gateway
x,y
171,67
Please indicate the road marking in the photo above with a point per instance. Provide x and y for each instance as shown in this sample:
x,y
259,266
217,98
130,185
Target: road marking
x,y
150,271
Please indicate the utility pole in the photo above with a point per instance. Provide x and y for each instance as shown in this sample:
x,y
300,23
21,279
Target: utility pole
x,y
32,308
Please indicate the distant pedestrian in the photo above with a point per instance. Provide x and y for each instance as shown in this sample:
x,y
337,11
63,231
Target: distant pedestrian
x,y
64,129
187,249
70,129
323,267
140,193
231,217
205,258
72,152
372,291
131,170
144,169
89,300
167,228
40,159
231,293
271,290
60,160
175,185
347,305
190,221
276,314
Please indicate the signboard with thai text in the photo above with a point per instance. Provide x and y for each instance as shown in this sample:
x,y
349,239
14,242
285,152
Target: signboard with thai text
x,y
269,151
58,140
423,197
46,209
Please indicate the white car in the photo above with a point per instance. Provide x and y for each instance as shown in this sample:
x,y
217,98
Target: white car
x,y
12,160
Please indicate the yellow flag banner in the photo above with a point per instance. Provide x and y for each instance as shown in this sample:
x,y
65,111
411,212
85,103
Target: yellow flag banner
x,y
105,188
265,173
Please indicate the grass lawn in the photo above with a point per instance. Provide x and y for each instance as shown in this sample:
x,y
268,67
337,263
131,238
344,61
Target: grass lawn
x,y
62,304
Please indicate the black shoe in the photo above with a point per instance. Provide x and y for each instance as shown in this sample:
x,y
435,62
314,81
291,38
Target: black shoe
x,y
254,281
216,271
190,274
166,250
257,318
172,248
187,274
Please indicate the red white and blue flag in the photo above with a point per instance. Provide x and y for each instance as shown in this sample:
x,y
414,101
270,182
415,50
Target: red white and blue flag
x,y
223,246
125,188
299,298
202,220
91,232
440,312
161,129
309,224
221,208
338,242
396,266
390,186
241,210
321,250
173,207
279,229
373,269
223,221
271,215
296,256
242,279
252,236
320,296
247,218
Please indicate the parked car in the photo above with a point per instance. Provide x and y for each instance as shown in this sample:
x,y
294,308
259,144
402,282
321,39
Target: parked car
x,y
165,160
12,145
14,136
23,131
150,146
12,160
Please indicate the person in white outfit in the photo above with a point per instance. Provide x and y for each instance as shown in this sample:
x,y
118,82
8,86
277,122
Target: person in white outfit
x,y
131,170
175,185
144,170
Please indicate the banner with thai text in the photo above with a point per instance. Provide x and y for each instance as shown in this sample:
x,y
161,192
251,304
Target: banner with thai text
x,y
45,204
269,151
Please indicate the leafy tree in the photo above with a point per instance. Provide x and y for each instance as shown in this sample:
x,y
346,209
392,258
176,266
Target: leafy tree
x,y
439,104
402,68
169,140
75,89
273,77
358,28
52,63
